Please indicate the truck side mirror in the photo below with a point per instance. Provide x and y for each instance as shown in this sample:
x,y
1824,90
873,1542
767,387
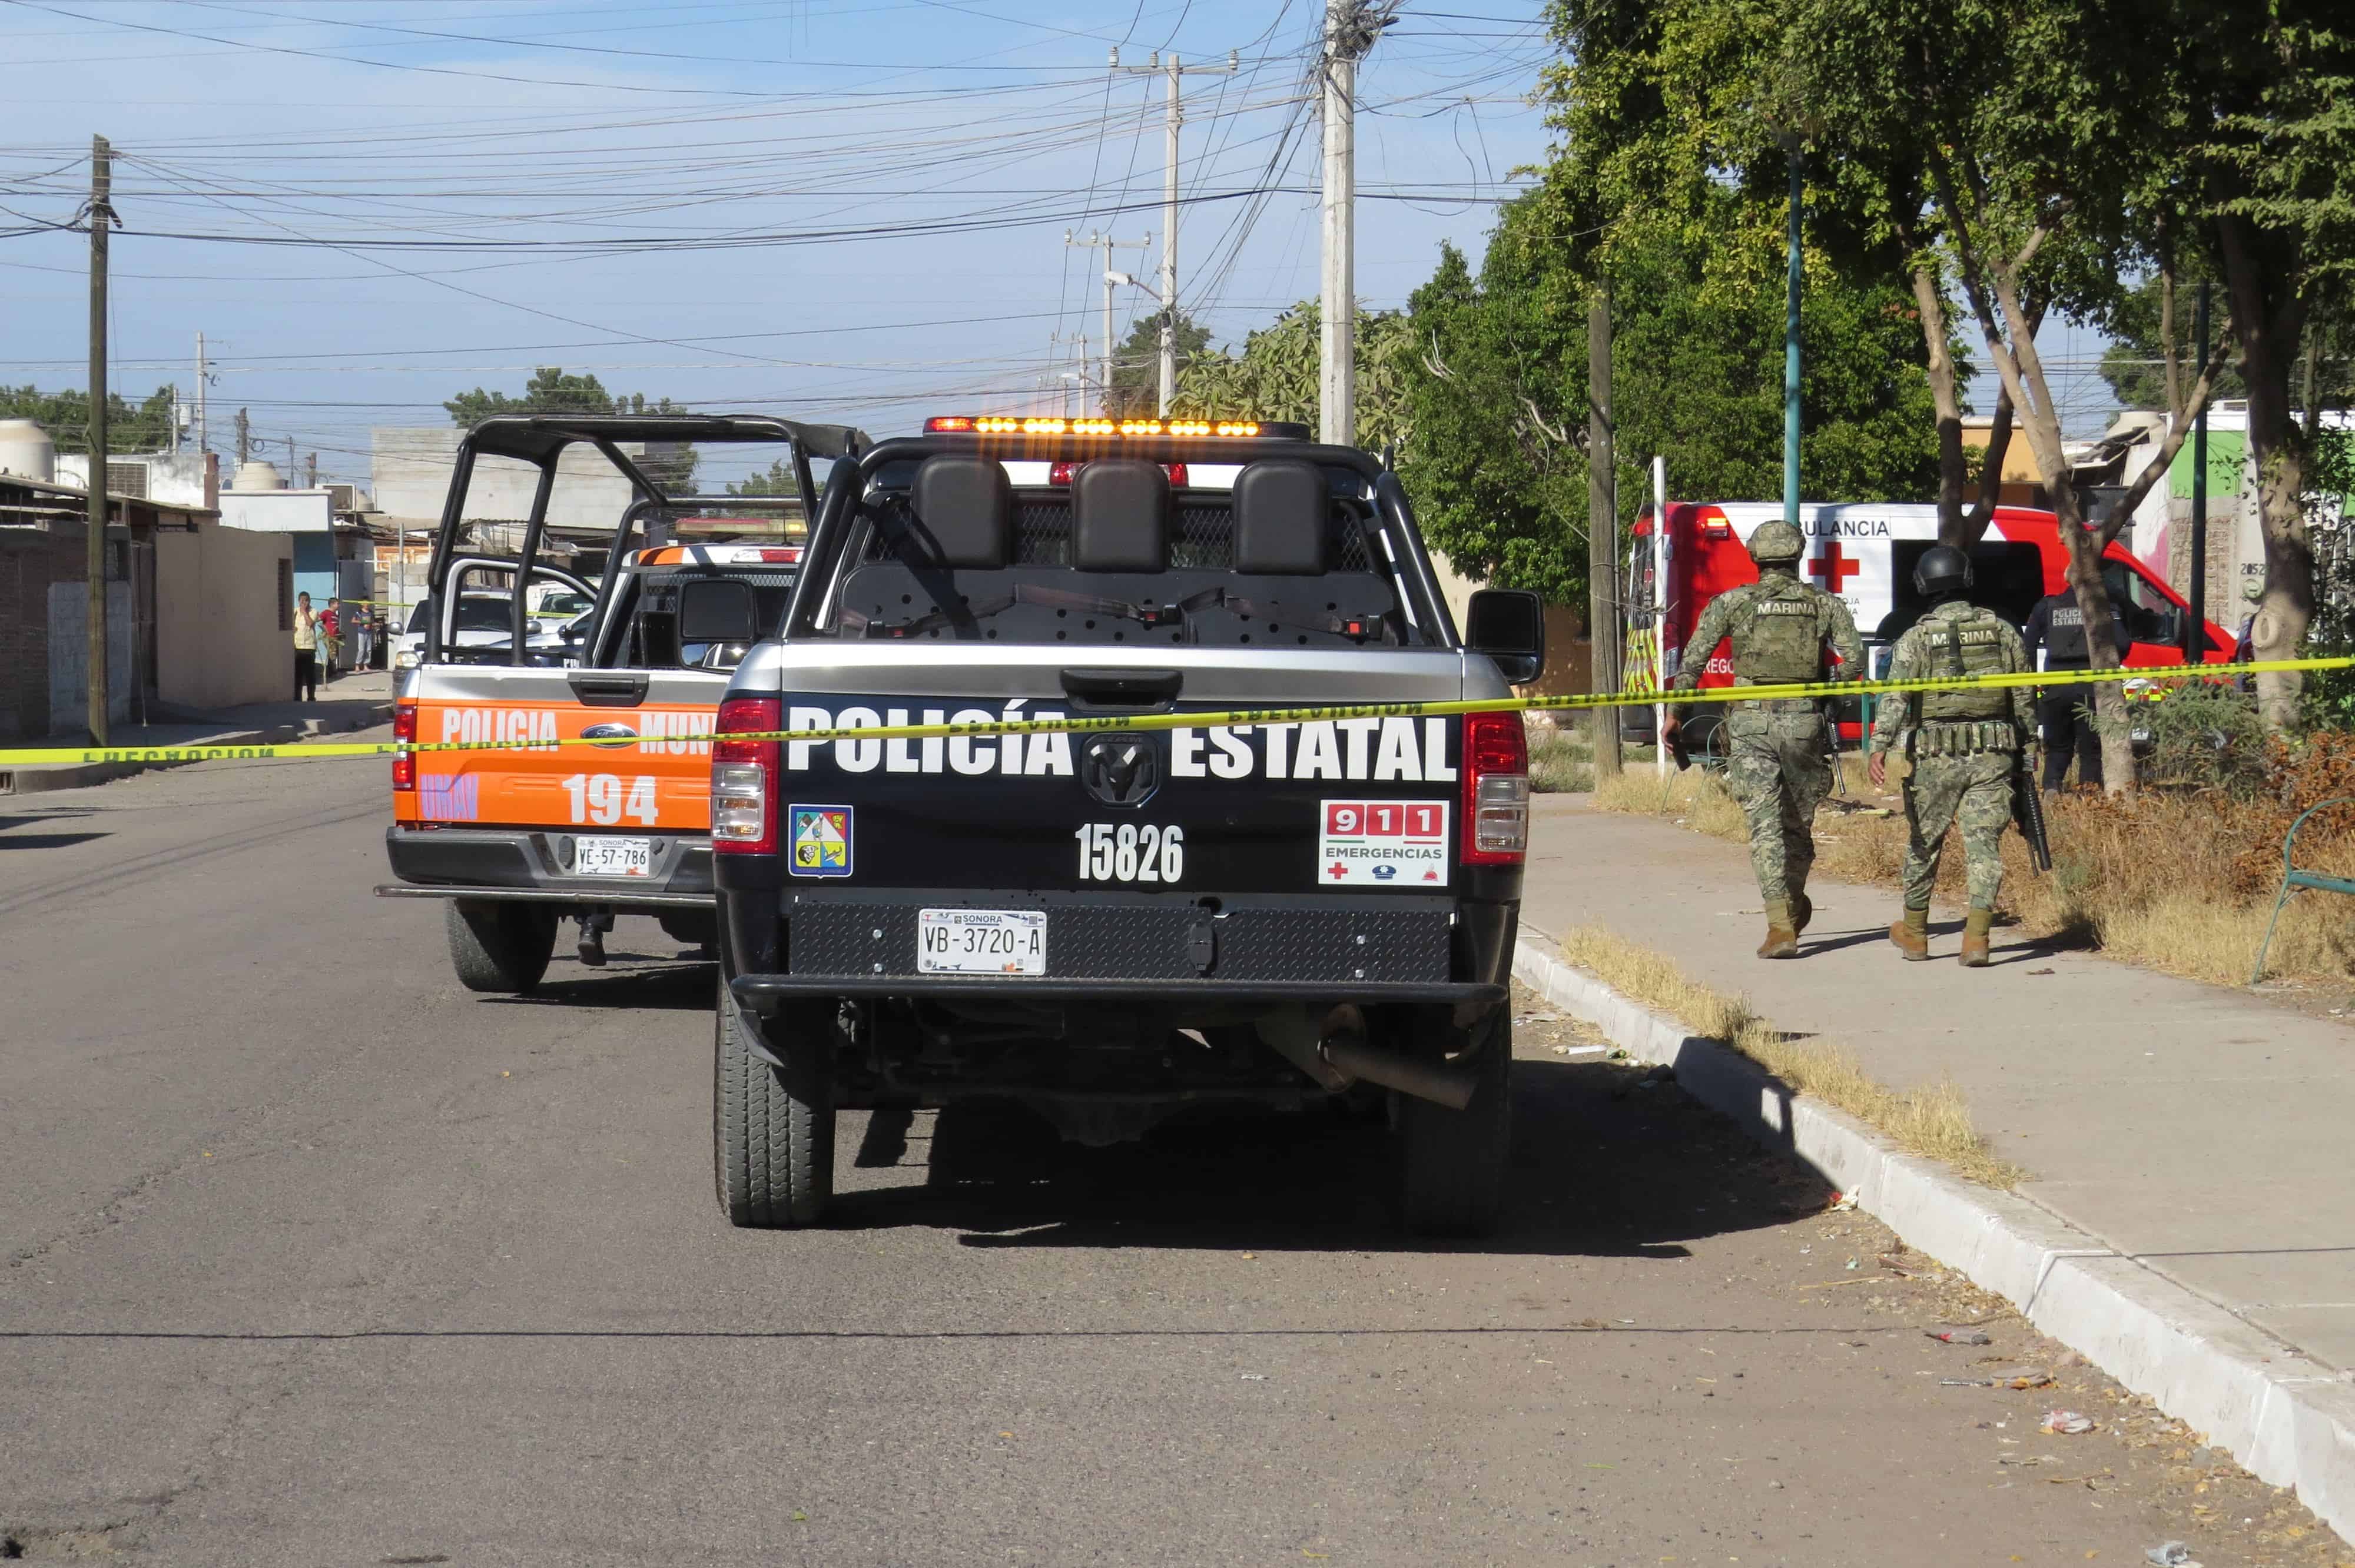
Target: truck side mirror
x,y
1508,626
717,609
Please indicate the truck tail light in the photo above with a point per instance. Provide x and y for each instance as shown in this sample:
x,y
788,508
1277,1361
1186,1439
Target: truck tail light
x,y
744,777
404,731
1496,789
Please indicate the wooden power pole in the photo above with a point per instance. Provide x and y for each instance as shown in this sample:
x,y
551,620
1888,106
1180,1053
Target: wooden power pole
x,y
101,219
1602,532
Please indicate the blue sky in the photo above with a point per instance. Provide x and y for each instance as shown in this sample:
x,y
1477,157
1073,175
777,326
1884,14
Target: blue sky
x,y
803,206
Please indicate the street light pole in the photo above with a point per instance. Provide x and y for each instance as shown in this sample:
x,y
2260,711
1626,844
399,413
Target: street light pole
x,y
1175,116
1107,243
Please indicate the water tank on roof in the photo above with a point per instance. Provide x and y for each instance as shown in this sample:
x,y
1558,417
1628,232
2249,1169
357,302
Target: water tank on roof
x,y
257,475
26,451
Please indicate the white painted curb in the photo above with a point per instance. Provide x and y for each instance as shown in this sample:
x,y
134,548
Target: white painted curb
x,y
2286,1417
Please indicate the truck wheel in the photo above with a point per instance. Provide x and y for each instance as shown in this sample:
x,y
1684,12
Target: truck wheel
x,y
499,947
772,1128
1451,1163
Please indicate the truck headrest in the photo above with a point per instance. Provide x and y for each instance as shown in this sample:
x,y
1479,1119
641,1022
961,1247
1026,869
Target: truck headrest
x,y
1120,516
1280,508
963,510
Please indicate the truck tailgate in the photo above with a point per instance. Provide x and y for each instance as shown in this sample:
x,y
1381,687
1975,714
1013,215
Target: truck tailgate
x,y
650,770
1361,805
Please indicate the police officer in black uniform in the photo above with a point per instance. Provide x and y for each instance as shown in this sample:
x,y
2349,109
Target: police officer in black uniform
x,y
2065,713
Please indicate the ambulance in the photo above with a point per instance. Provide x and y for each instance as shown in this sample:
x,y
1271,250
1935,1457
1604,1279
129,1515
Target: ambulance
x,y
516,839
1865,551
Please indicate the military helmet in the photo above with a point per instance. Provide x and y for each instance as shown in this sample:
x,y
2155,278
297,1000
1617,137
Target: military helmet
x,y
1776,541
1943,569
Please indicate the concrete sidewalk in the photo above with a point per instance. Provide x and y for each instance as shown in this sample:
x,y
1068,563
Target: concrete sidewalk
x,y
2198,1132
358,701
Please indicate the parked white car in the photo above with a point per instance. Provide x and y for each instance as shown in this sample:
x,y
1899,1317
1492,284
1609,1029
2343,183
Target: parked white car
x,y
485,622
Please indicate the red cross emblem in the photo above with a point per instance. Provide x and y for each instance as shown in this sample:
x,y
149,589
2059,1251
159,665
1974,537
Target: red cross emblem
x,y
1340,869
1833,567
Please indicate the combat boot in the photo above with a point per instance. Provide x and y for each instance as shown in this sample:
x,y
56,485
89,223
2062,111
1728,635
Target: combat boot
x,y
1974,938
1782,941
1801,911
1912,934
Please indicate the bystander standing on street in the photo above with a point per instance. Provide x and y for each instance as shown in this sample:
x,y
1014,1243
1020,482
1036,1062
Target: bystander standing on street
x,y
306,651
331,637
363,638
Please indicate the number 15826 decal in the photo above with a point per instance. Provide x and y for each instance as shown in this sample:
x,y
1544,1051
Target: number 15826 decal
x,y
1132,851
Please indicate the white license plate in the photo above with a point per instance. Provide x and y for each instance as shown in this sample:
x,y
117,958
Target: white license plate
x,y
981,941
613,857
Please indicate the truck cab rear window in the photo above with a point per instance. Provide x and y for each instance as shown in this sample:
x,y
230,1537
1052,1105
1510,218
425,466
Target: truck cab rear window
x,y
954,551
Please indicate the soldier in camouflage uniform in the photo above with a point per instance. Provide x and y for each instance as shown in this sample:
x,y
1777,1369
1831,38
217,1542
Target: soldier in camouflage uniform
x,y
1777,765
1964,747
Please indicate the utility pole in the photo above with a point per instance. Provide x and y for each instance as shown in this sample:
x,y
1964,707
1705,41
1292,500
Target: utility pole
x,y
289,459
311,472
102,224
204,435
1176,116
244,439
1351,28
1602,532
1108,243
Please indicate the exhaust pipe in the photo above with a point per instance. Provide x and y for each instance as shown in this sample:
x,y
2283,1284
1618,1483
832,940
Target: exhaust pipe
x,y
1441,1085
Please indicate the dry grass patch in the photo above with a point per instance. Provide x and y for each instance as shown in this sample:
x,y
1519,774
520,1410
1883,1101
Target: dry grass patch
x,y
1692,799
1934,1122
2180,881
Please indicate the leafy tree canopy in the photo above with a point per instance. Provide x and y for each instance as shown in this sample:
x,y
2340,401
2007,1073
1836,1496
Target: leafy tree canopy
x,y
1498,393
777,479
1275,376
552,391
65,415
1137,363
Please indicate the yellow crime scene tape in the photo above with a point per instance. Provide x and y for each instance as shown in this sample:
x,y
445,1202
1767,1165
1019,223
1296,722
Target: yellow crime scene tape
x,y
1228,719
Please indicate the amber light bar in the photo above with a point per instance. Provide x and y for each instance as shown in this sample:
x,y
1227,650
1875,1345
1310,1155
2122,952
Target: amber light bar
x,y
1000,425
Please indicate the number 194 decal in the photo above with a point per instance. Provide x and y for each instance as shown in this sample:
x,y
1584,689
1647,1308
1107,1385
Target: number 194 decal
x,y
1132,851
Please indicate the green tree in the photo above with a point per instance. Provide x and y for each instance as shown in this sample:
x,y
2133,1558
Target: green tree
x,y
1498,394
777,479
1137,363
1275,376
65,415
2140,326
552,391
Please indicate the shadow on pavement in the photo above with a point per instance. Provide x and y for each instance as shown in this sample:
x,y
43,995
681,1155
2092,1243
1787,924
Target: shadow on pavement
x,y
45,841
1605,1163
636,979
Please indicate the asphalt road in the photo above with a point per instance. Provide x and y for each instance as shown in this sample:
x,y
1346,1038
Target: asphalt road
x,y
313,1258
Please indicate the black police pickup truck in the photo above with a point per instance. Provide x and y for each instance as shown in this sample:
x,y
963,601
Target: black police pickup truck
x,y
1114,925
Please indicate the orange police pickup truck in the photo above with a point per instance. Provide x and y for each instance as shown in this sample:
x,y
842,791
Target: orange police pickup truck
x,y
515,839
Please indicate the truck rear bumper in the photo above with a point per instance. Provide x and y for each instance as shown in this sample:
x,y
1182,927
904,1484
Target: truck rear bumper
x,y
767,994
528,864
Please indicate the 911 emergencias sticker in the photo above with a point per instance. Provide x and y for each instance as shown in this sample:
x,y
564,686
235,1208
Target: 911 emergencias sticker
x,y
1384,843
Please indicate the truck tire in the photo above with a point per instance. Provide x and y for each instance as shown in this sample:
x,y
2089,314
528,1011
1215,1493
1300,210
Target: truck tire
x,y
1450,1162
772,1128
502,948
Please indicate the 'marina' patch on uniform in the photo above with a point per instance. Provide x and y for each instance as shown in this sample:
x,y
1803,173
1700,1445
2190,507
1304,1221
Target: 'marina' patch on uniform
x,y
821,838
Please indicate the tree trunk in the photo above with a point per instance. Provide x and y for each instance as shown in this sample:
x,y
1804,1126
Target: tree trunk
x,y
2269,343
1945,398
2022,369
